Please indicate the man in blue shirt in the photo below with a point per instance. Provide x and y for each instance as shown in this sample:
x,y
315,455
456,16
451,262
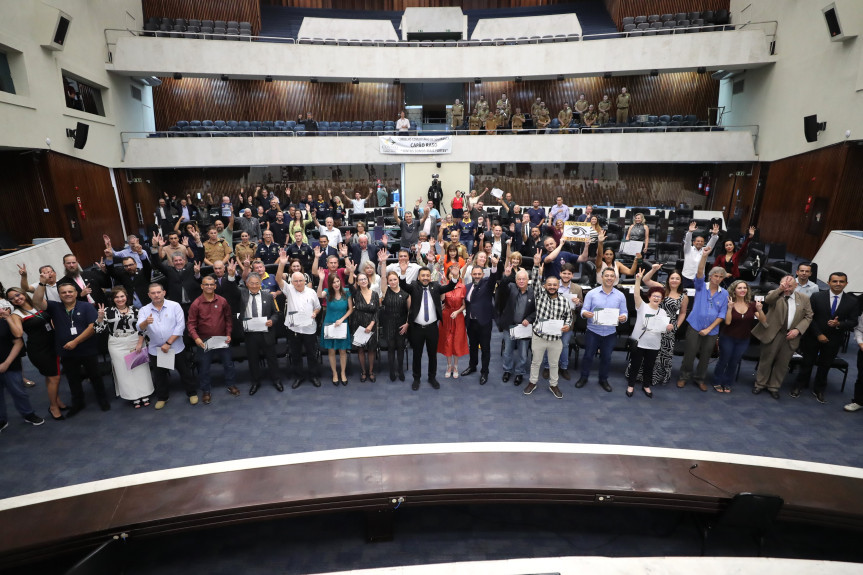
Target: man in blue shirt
x,y
536,214
467,231
554,258
711,304
601,336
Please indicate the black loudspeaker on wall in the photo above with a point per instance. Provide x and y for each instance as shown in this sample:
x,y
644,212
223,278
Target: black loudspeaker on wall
x,y
811,127
79,134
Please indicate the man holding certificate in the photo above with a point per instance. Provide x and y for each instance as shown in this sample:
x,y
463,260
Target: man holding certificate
x,y
301,309
210,328
258,314
604,308
553,319
516,321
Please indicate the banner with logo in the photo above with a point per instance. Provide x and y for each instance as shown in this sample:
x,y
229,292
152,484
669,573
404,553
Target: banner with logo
x,y
416,144
576,231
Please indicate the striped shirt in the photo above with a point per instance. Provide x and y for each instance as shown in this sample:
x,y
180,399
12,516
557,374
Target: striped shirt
x,y
548,308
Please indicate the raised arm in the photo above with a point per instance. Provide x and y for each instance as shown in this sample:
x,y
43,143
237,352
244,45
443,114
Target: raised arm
x,y
283,260
636,293
631,269
703,263
600,239
39,297
556,252
647,279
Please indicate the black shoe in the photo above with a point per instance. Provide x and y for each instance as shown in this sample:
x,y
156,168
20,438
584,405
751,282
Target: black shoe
x,y
392,376
297,383
104,405
774,394
604,385
33,419
469,371
518,380
629,392
506,376
75,409
401,376
372,377
819,395
277,384
649,394
545,374
757,390
254,389
433,382
582,381
344,380
564,373
795,392
483,379
316,381
416,384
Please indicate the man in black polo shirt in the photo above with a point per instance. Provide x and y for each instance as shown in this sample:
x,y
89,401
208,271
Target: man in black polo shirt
x,y
78,350
301,251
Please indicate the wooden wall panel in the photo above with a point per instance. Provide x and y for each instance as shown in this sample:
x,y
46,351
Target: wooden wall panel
x,y
620,9
724,196
678,93
212,99
25,175
239,10
402,4
832,173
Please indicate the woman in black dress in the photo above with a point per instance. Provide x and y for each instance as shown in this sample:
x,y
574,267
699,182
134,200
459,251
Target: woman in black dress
x,y
394,320
40,344
366,307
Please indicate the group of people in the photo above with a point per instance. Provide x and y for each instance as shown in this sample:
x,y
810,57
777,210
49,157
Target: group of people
x,y
501,118
454,280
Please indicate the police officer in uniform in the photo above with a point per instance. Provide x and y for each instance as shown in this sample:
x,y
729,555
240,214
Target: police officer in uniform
x,y
622,106
517,121
482,109
604,107
543,119
565,117
457,114
580,107
503,104
473,124
534,111
491,124
590,116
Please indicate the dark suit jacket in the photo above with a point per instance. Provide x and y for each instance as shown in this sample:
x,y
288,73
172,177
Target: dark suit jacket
x,y
138,284
373,252
268,310
415,290
230,291
847,312
97,281
506,293
480,307
177,280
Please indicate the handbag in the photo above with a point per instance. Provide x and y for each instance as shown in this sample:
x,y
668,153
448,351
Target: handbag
x,y
137,358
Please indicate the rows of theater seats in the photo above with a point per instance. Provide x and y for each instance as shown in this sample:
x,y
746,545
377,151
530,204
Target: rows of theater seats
x,y
547,39
207,128
680,23
198,29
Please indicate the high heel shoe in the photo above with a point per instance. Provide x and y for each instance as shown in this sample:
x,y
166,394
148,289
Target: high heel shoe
x,y
372,377
649,394
336,381
344,379
448,372
363,377
630,391
60,417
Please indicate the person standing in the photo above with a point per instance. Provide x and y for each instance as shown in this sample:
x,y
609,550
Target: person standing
x,y
603,107
742,316
403,125
788,318
804,286
573,293
457,114
453,341
479,303
120,321
675,304
600,336
857,402
339,309
833,313
163,322
366,304
301,311
210,317
435,195
519,308
551,310
425,314
11,378
623,102
559,211
708,311
651,323
256,304
693,252
395,304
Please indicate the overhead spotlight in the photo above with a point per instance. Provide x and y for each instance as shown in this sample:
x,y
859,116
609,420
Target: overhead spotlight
x,y
313,80
355,81
518,80
178,76
607,75
268,78
224,77
560,78
477,80
701,70
654,72
396,81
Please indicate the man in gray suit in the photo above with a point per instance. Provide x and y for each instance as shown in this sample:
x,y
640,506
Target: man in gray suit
x,y
258,333
787,320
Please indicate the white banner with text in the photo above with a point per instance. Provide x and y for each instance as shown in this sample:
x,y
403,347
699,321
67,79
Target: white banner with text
x,y
416,144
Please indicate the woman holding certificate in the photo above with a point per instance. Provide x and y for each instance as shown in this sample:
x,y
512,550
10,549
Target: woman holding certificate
x,y
365,320
335,334
650,325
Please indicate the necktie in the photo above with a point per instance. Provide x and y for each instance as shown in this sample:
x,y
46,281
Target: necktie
x,y
220,282
426,303
835,303
255,305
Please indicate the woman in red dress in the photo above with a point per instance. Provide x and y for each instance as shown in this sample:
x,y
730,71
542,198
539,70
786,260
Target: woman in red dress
x,y
453,336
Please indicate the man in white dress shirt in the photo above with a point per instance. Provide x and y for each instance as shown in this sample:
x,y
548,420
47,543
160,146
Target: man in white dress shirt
x,y
301,310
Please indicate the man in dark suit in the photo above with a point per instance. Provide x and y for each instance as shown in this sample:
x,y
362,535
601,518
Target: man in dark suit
x,y
479,304
324,251
788,319
833,313
165,216
424,318
260,340
90,284
183,280
137,282
365,248
518,307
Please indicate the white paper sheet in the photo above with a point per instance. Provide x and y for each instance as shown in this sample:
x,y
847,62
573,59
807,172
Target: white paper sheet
x,y
497,192
165,360
607,316
216,342
256,324
424,247
657,324
300,319
572,300
552,326
632,247
361,337
690,292
521,331
336,332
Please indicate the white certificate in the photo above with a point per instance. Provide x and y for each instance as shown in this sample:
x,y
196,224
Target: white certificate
x,y
572,300
690,291
333,331
521,331
361,337
607,316
424,247
216,342
552,326
256,324
632,247
300,319
497,192
165,360
657,324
